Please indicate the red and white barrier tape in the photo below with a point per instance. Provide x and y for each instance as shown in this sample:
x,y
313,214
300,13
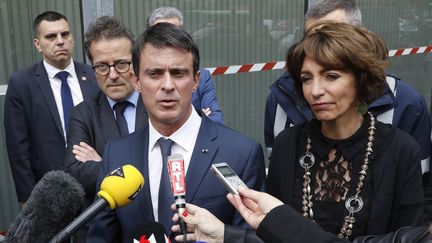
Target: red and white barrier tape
x,y
257,67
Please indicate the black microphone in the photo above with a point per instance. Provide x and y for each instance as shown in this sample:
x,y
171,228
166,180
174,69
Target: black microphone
x,y
54,202
118,189
152,232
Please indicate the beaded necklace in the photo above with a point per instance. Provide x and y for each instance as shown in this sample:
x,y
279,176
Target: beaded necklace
x,y
354,203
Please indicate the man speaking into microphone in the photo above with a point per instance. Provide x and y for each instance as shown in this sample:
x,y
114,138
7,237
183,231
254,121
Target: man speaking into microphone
x,y
166,64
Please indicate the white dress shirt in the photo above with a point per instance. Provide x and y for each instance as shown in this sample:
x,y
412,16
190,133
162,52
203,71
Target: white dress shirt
x,y
184,142
55,83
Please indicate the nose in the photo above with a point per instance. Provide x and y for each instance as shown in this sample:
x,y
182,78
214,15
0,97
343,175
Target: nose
x,y
168,82
113,74
317,87
60,40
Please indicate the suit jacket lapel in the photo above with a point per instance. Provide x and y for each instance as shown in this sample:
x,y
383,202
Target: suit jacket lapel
x,y
106,116
144,196
141,115
202,157
85,80
42,80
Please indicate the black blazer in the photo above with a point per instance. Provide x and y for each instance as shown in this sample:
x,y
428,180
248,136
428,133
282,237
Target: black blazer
x,y
34,134
93,122
278,225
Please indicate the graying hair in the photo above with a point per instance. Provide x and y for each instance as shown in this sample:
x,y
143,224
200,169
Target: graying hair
x,y
164,13
324,7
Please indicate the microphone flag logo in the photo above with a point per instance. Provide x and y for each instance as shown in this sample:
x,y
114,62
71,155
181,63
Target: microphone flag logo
x,y
151,239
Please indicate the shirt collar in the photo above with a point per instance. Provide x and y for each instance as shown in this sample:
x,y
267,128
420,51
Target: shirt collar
x,y
52,71
349,147
133,98
182,137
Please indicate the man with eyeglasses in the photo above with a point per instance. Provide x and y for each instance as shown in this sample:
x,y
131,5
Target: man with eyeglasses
x,y
116,111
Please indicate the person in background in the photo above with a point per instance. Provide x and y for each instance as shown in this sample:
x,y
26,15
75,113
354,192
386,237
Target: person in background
x,y
39,100
115,111
400,105
166,63
204,98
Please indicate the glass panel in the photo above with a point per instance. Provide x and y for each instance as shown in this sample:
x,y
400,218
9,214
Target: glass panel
x,y
404,24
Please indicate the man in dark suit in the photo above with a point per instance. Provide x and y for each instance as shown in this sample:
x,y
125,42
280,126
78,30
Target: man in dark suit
x,y
94,122
38,103
166,64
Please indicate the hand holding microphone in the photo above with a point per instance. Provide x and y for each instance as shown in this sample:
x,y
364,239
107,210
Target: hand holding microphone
x,y
201,224
118,189
253,205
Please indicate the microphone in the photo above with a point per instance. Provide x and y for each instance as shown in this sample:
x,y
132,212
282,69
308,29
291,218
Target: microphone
x,y
53,203
150,232
177,176
118,189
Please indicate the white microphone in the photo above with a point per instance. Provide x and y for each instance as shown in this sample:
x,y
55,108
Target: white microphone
x,y
176,171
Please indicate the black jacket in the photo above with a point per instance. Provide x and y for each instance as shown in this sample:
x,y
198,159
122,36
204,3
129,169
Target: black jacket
x,y
273,229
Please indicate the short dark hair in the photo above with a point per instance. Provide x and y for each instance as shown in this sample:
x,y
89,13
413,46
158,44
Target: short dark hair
x,y
48,16
163,35
106,27
324,7
341,46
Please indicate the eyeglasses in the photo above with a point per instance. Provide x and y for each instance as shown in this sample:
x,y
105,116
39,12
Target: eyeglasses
x,y
104,69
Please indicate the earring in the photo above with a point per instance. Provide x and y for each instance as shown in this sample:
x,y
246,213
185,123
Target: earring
x,y
362,107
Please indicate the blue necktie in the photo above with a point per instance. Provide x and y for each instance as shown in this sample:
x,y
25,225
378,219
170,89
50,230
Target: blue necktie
x,y
119,109
165,194
66,97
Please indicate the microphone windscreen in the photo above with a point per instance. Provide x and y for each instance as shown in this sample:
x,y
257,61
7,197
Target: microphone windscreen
x,y
54,202
151,232
121,186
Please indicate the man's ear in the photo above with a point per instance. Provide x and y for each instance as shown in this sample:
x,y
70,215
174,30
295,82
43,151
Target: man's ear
x,y
134,81
196,81
37,44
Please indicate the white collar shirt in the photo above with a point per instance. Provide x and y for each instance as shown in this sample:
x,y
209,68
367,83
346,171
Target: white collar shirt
x,y
55,84
184,142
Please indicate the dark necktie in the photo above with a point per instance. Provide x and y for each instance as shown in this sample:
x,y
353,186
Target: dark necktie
x,y
165,195
119,109
66,97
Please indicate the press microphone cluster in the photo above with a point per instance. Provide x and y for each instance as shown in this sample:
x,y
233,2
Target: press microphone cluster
x,y
176,171
118,189
54,202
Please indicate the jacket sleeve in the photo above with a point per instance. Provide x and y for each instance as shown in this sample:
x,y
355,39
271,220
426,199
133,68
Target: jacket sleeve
x,y
17,131
412,116
233,234
207,95
285,225
410,209
269,119
86,173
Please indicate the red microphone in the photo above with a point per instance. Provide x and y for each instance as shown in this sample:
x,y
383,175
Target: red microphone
x,y
176,171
